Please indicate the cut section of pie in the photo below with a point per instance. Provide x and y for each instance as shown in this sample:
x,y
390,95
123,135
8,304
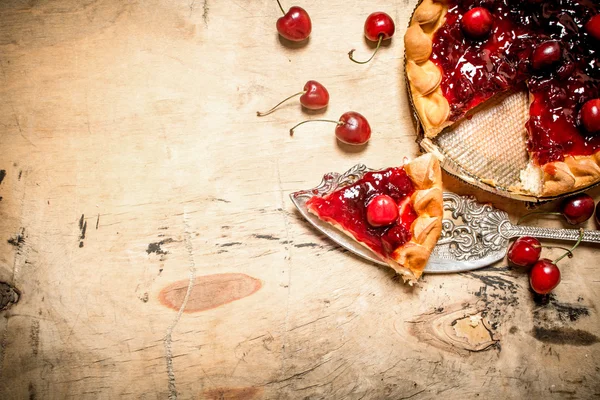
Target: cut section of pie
x,y
395,212
460,53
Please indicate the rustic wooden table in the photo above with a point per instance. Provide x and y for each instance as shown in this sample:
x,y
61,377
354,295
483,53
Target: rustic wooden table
x,y
133,167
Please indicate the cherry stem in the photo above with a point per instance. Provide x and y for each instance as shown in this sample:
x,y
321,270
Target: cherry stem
x,y
372,55
314,120
537,212
281,8
569,252
262,114
572,248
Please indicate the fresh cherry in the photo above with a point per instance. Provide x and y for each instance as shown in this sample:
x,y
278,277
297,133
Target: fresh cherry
x,y
524,251
381,211
295,25
544,276
477,23
598,214
578,208
590,114
379,26
593,27
352,128
546,55
314,96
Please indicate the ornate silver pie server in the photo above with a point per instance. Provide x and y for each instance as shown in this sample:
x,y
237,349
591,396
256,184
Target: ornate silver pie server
x,y
474,235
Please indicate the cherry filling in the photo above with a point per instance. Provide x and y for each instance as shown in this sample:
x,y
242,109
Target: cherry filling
x,y
476,69
348,207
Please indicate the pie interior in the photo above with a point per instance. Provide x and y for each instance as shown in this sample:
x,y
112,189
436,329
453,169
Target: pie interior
x,y
405,244
449,74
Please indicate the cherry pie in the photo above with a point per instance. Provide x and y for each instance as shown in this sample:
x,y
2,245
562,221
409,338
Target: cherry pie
x,y
394,212
460,53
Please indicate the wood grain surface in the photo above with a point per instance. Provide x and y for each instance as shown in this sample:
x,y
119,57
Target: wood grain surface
x,y
148,248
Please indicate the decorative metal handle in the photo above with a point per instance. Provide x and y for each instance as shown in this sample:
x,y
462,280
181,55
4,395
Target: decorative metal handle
x,y
550,233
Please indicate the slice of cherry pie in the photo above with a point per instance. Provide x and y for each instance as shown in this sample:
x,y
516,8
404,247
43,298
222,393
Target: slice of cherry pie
x,y
460,53
395,212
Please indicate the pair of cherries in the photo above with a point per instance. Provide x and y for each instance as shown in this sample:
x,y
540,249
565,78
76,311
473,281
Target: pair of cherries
x,y
351,128
296,26
544,274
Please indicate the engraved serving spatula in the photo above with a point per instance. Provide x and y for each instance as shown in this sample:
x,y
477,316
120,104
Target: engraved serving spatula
x,y
474,235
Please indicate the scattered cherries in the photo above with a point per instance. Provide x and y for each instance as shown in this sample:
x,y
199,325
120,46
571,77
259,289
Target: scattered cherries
x,y
382,210
352,128
379,26
575,209
525,251
546,55
477,23
313,96
590,115
598,214
295,25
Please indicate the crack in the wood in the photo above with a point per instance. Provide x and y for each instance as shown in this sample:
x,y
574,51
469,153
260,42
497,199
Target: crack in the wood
x,y
168,337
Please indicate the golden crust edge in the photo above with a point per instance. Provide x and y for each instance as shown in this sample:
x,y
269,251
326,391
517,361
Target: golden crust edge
x,y
572,174
433,114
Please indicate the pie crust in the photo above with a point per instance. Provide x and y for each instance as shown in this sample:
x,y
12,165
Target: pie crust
x,y
574,173
410,259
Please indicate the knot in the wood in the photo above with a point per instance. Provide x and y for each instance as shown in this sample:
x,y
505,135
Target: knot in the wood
x,y
8,296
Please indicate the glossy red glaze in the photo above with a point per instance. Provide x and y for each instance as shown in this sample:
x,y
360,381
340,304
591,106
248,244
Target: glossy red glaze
x,y
295,25
316,96
475,71
544,276
379,23
525,251
348,207
578,208
477,23
353,128
382,210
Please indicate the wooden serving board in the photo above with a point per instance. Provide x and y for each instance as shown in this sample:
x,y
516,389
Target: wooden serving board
x,y
135,177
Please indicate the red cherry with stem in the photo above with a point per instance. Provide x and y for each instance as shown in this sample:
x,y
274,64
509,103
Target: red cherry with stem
x,y
295,25
314,96
593,27
590,115
477,23
524,251
352,128
382,210
379,26
545,275
546,55
576,209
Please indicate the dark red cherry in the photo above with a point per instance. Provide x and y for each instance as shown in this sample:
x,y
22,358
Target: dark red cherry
x,y
395,237
590,115
295,25
525,251
544,276
593,27
379,26
546,55
381,211
578,208
598,215
352,128
477,23
314,96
